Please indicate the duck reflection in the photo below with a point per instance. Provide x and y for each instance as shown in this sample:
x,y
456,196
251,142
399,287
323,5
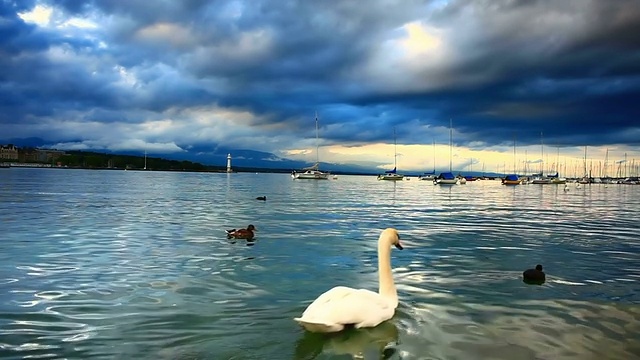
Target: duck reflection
x,y
366,343
248,242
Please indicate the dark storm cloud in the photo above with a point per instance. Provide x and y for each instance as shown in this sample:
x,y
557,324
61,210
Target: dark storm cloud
x,y
565,68
506,68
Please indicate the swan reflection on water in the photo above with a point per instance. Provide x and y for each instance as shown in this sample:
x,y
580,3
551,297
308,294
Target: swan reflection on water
x,y
365,343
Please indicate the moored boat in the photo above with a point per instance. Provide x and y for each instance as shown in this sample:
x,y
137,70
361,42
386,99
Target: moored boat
x,y
512,179
312,172
392,174
446,178
428,176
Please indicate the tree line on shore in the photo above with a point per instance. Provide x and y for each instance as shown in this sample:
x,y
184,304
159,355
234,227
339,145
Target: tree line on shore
x,y
95,160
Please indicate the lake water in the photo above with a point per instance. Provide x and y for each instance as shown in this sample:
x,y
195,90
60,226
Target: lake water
x,y
136,265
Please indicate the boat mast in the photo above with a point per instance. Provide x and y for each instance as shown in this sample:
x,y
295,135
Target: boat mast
x,y
434,156
542,152
145,159
395,147
625,165
317,143
606,162
585,161
514,156
450,142
558,161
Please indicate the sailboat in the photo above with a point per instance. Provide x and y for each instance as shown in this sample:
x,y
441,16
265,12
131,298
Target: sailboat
x,y
586,179
392,174
430,175
512,179
447,178
556,179
606,179
312,172
541,178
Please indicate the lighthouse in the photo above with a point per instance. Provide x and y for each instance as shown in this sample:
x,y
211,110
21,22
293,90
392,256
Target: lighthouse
x,y
228,163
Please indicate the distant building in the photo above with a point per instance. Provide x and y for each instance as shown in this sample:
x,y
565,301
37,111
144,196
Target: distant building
x,y
228,163
48,155
8,152
30,155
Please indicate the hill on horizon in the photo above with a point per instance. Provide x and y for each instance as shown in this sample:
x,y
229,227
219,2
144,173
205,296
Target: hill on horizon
x,y
213,156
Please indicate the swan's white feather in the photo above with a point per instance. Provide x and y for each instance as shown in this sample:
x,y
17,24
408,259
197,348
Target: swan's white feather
x,y
342,306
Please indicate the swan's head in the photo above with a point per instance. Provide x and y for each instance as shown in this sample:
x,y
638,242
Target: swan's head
x,y
391,237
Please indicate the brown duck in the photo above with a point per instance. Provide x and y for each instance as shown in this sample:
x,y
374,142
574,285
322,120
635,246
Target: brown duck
x,y
242,233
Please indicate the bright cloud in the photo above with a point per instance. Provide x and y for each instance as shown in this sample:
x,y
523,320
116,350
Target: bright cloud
x,y
202,76
40,15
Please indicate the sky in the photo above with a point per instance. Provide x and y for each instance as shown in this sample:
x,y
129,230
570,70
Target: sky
x,y
195,75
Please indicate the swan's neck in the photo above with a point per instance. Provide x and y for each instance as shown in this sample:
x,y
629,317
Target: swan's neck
x,y
386,288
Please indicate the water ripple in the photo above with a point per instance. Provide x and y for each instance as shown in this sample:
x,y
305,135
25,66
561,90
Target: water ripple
x,y
137,265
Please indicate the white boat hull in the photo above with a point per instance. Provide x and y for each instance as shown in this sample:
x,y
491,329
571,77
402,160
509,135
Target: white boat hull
x,y
310,175
542,181
428,177
392,177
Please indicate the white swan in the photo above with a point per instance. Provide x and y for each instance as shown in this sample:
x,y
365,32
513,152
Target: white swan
x,y
341,306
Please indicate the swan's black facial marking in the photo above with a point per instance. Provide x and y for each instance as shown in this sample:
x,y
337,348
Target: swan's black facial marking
x,y
397,244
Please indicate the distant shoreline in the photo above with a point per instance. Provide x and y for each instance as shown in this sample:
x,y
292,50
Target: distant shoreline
x,y
237,170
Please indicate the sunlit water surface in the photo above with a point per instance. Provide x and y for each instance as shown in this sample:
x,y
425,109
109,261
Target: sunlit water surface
x,y
132,264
